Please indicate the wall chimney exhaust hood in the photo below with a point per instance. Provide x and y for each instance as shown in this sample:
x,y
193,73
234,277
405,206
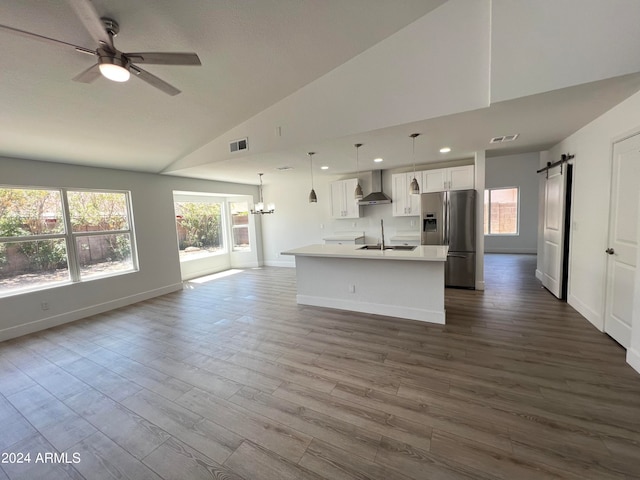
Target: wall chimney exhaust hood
x,y
377,196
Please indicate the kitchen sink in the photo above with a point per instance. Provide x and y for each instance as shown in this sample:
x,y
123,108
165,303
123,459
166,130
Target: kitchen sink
x,y
408,248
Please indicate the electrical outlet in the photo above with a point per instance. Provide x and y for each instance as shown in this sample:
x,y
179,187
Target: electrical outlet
x,y
44,305
412,223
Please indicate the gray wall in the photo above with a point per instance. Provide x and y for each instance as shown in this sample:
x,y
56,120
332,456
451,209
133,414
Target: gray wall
x,y
516,171
154,217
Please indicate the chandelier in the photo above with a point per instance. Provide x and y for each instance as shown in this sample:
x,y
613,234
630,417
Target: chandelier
x,y
259,208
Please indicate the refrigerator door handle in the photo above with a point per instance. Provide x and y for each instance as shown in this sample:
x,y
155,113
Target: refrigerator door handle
x,y
448,218
443,235
456,255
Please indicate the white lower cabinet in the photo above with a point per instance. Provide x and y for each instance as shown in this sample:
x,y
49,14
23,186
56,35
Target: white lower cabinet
x,y
343,202
404,204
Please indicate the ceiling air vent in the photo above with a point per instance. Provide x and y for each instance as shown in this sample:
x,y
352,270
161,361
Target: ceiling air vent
x,y
504,138
239,145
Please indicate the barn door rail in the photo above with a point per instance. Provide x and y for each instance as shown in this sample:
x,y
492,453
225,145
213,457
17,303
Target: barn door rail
x,y
565,157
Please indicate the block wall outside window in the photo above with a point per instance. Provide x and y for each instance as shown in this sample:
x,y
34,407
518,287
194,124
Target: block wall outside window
x,y
501,211
240,226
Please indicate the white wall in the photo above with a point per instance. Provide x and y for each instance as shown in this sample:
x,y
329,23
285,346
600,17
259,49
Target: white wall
x,y
572,42
154,217
516,171
297,222
592,147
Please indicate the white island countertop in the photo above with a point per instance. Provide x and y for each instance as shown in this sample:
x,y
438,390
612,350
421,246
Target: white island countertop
x,y
422,253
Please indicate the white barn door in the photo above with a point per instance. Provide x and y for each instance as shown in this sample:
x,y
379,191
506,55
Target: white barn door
x,y
623,239
553,247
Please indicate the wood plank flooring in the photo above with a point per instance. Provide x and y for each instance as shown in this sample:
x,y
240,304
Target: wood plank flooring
x,y
231,379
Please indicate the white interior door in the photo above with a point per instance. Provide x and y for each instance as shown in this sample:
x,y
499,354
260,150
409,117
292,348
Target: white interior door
x,y
623,239
554,210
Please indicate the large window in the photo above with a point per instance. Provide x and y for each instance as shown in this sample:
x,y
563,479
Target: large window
x,y
501,211
200,229
41,245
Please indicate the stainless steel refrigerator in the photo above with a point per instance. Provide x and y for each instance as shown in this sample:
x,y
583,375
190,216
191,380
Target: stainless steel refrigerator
x,y
449,218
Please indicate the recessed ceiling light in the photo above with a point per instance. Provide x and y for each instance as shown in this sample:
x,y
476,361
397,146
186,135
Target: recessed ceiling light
x,y
324,167
377,160
445,150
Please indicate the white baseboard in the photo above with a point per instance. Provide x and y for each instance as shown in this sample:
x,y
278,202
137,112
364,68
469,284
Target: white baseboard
x,y
539,275
44,323
587,312
280,263
633,359
479,285
431,316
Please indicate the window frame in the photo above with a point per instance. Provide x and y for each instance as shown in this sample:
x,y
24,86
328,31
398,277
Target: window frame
x,y
203,197
517,232
69,236
232,245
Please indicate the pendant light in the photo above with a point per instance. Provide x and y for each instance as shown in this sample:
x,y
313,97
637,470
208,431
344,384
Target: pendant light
x,y
414,188
358,192
313,198
259,208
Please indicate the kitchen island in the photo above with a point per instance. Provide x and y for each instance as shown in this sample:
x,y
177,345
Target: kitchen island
x,y
397,283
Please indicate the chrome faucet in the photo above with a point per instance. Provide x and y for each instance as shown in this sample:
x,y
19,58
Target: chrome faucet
x,y
382,232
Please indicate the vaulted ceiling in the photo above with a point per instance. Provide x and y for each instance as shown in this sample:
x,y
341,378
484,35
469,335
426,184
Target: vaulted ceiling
x,y
300,75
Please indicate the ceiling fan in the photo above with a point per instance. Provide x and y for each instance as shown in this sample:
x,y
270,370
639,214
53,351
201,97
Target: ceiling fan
x,y
112,63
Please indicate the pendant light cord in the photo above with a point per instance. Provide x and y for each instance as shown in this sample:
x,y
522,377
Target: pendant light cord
x,y
413,152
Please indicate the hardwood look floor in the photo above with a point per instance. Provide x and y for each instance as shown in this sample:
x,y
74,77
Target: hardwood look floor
x,y
231,379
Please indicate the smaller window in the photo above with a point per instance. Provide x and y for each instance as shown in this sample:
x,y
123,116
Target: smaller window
x,y
501,211
240,226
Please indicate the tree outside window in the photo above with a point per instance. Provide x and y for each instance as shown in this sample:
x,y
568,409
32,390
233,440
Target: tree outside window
x,y
199,227
40,246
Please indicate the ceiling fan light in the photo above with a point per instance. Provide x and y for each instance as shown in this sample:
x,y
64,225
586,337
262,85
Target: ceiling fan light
x,y
114,68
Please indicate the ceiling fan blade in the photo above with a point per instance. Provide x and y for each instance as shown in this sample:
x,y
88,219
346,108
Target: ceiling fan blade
x,y
154,81
88,15
89,75
164,58
35,36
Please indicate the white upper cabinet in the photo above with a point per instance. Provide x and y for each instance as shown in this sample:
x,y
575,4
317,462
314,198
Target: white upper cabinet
x,y
434,180
404,204
343,203
461,178
453,178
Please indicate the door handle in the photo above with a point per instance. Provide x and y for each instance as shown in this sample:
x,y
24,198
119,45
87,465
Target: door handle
x,y
454,255
610,251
